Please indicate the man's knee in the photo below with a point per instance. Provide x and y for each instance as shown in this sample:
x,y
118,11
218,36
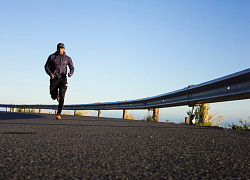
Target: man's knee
x,y
62,95
63,90
53,97
54,94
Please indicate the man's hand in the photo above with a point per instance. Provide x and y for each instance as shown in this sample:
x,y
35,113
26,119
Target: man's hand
x,y
52,76
69,74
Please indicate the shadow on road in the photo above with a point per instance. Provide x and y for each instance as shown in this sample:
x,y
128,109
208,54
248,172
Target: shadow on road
x,y
12,116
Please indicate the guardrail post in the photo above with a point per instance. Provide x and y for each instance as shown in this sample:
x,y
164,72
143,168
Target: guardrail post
x,y
205,113
156,114
187,120
125,113
75,112
99,113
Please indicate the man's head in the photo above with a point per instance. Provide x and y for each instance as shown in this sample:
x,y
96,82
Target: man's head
x,y
60,48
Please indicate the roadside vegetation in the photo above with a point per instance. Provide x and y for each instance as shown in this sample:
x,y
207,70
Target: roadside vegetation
x,y
244,125
148,118
199,114
82,113
27,110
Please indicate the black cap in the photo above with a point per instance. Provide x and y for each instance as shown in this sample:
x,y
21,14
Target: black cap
x,y
60,45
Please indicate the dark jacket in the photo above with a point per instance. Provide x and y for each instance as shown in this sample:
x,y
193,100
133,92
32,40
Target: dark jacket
x,y
57,65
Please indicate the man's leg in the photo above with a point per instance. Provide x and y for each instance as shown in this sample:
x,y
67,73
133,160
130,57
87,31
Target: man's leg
x,y
62,90
54,88
60,106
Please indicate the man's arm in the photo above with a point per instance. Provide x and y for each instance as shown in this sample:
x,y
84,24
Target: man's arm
x,y
47,68
71,67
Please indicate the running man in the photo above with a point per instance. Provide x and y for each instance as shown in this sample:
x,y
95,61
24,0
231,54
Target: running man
x,y
56,68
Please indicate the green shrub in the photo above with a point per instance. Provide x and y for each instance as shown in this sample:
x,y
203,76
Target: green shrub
x,y
32,111
148,118
199,115
244,125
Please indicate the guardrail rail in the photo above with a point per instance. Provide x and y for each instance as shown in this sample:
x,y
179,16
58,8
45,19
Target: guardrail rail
x,y
235,86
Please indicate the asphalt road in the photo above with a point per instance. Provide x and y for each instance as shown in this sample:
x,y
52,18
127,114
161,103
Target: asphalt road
x,y
37,146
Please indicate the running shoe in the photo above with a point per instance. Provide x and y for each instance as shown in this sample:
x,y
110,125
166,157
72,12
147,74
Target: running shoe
x,y
58,116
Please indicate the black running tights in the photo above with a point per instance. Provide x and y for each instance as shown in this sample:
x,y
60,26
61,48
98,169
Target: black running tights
x,y
58,85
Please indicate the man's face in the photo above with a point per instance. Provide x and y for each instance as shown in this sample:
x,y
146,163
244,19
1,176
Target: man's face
x,y
60,50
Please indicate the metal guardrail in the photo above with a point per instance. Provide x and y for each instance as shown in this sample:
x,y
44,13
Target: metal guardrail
x,y
235,86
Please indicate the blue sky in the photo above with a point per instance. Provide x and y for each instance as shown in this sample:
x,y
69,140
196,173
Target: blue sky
x,y
124,50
